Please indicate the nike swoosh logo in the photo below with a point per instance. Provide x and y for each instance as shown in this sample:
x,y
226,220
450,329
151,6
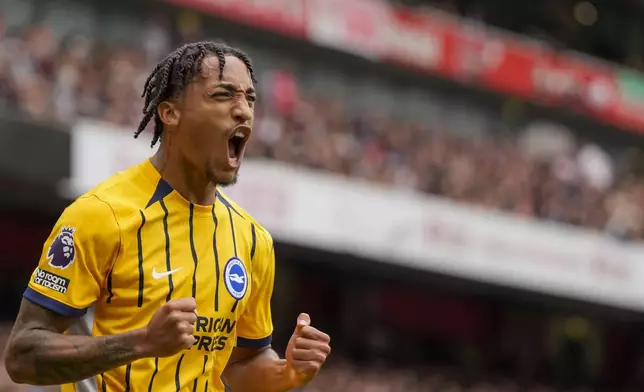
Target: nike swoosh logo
x,y
159,275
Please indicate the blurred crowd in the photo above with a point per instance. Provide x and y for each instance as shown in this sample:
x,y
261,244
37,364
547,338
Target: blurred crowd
x,y
541,170
347,377
543,174
341,376
606,30
534,176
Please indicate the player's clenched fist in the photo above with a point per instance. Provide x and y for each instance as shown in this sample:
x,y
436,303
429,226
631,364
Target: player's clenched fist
x,y
307,351
170,329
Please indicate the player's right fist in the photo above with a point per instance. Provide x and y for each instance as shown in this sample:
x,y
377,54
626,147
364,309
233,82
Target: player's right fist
x,y
171,328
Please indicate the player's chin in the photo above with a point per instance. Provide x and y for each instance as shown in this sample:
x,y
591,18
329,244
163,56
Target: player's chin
x,y
223,172
226,176
228,180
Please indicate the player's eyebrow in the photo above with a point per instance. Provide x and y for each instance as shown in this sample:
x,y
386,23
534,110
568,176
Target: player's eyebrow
x,y
232,88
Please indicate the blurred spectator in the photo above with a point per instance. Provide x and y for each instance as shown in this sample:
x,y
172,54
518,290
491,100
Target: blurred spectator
x,y
344,376
544,174
608,30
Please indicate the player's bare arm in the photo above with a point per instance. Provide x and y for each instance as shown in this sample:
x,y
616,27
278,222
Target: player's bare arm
x,y
307,351
38,352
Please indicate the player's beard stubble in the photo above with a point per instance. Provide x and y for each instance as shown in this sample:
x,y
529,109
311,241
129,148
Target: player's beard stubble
x,y
217,181
225,184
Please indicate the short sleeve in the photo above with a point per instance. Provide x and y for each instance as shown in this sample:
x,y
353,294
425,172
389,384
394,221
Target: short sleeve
x,y
76,258
255,325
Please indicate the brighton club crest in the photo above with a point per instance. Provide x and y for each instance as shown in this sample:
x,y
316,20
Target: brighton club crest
x,y
236,278
62,252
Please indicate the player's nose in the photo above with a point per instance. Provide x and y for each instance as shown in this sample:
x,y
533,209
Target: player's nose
x,y
242,112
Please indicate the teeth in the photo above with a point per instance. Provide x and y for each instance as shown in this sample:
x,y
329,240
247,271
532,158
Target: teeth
x,y
239,134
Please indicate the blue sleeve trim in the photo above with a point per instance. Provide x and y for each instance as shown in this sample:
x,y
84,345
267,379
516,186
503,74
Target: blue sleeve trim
x,y
254,343
52,304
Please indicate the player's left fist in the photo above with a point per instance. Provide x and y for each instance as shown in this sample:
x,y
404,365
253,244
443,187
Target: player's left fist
x,y
306,352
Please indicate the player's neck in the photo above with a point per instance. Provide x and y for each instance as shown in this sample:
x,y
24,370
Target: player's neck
x,y
184,178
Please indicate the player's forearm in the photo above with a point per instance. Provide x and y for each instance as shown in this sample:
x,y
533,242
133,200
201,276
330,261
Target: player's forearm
x,y
264,372
43,357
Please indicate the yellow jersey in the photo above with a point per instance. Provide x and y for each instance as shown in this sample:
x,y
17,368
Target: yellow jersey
x,y
131,244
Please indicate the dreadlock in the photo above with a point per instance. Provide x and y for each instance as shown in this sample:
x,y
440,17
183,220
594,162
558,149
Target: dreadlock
x,y
172,75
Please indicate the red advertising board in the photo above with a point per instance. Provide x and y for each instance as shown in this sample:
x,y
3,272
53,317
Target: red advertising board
x,y
457,49
282,16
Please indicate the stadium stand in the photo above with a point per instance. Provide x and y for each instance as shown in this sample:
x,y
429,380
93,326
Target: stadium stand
x,y
63,61
49,76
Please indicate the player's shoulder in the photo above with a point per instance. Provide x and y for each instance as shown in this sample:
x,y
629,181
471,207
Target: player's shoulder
x,y
260,231
88,208
123,194
100,215
88,220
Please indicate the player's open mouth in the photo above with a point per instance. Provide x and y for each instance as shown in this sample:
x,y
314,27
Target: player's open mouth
x,y
237,144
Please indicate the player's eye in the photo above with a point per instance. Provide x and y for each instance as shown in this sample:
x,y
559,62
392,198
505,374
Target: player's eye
x,y
251,98
222,94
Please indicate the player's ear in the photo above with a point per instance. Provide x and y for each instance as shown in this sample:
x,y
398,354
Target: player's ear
x,y
169,113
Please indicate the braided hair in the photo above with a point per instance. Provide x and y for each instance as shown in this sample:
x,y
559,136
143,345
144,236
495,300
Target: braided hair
x,y
172,75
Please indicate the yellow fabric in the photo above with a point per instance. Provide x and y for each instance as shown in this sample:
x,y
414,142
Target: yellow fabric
x,y
135,244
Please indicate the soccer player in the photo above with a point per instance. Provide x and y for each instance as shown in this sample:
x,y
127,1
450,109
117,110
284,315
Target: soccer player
x,y
155,280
